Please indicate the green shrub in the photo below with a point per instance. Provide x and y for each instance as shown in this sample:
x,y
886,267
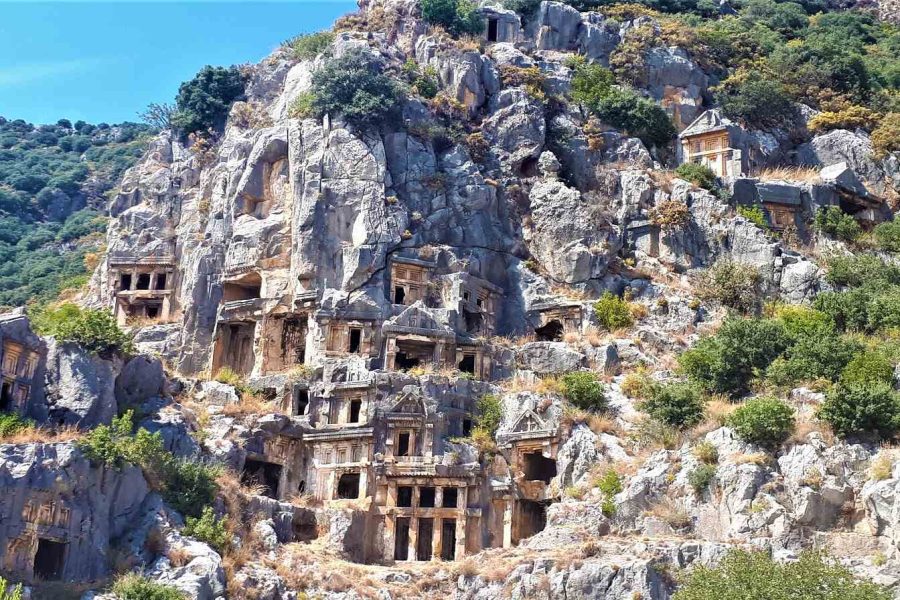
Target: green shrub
x,y
6,594
456,16
700,175
802,321
308,46
755,215
190,485
677,405
11,424
610,484
848,309
860,408
726,362
204,101
886,137
860,269
869,367
355,88
489,413
743,575
706,452
302,106
821,355
228,376
137,587
834,222
701,477
756,100
883,310
92,329
613,312
887,235
639,117
524,8
591,82
209,529
763,421
584,390
731,283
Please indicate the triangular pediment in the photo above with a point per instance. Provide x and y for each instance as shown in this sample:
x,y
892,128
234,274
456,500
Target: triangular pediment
x,y
529,421
419,317
409,404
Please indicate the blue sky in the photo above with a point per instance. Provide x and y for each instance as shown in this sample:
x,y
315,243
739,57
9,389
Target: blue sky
x,y
106,61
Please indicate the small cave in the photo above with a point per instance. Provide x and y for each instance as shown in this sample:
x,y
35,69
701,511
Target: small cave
x,y
125,281
49,560
304,527
474,321
537,467
355,408
160,281
300,402
355,340
6,396
399,294
467,364
425,539
551,332
448,539
348,486
264,474
492,30
532,518
529,167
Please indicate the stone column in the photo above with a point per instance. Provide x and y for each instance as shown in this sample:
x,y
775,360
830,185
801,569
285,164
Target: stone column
x,y
389,535
438,357
507,523
436,538
438,496
363,483
460,550
413,531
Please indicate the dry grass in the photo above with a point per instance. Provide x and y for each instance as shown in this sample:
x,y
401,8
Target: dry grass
x,y
249,404
537,385
796,174
44,435
804,427
179,557
598,423
755,458
882,465
570,293
671,513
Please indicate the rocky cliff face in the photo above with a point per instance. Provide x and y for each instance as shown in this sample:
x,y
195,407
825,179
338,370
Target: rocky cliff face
x,y
362,294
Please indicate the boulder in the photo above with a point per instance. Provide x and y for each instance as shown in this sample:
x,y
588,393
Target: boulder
x,y
549,358
81,386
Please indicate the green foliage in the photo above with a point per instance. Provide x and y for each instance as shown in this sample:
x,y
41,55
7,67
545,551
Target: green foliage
x,y
869,367
489,413
6,594
726,362
355,88
610,484
584,390
209,529
701,477
204,101
677,405
613,312
524,8
188,486
800,321
458,17
757,101
886,137
308,46
424,82
92,329
731,283
763,421
862,408
755,215
700,175
860,269
11,424
48,174
887,235
823,354
834,222
302,106
742,575
137,587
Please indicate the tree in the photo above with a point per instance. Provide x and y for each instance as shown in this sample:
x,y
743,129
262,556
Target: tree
x,y
354,87
158,116
204,101
584,390
763,421
861,408
753,574
677,405
612,312
731,283
758,101
456,16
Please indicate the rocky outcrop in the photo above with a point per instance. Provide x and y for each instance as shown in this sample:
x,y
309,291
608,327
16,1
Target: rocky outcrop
x,y
80,386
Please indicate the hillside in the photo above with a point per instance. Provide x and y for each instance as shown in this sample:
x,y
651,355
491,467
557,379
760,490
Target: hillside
x,y
54,181
471,301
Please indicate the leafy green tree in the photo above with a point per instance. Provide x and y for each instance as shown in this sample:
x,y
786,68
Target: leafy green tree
x,y
489,413
92,329
757,101
869,367
697,174
7,594
888,236
862,408
763,421
742,575
677,405
209,529
821,355
137,587
354,87
833,221
204,101
860,269
613,312
701,477
730,283
584,390
456,16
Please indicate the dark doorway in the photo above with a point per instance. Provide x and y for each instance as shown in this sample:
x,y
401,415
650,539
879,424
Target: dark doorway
x,y
399,295
404,496
474,321
448,539
537,467
532,518
264,474
6,395
125,282
143,281
355,340
401,538
348,486
529,167
551,332
403,361
426,497
403,444
467,427
161,281
355,407
425,539
467,364
492,30
301,402
49,560
450,498
152,311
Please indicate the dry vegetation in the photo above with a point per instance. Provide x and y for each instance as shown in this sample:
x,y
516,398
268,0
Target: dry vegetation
x,y
794,174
